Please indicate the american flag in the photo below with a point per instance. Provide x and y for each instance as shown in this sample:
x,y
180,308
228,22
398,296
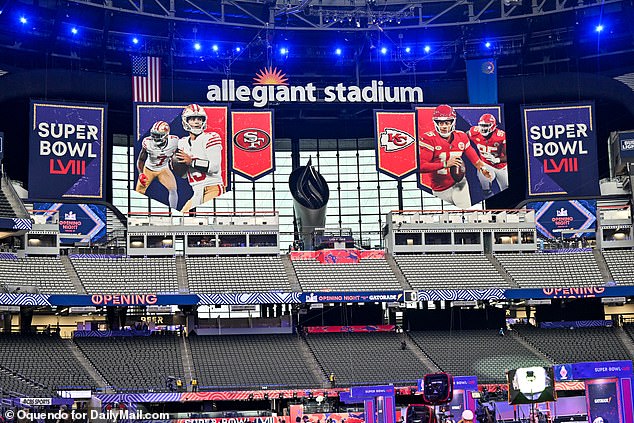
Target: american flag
x,y
146,79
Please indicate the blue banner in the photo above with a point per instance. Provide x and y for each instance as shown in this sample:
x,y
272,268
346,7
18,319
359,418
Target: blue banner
x,y
352,297
561,149
558,219
604,402
77,222
626,146
67,150
357,392
593,370
482,80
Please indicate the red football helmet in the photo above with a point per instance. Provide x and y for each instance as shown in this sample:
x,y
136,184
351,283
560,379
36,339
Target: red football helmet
x,y
487,124
444,113
159,133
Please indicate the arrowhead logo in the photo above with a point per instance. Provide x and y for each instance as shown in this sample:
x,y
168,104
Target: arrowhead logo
x,y
392,139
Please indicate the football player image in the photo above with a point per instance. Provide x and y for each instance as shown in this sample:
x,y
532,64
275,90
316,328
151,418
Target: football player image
x,y
441,154
491,143
199,158
154,160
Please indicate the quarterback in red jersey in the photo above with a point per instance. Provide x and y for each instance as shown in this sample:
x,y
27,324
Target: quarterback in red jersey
x,y
441,153
491,143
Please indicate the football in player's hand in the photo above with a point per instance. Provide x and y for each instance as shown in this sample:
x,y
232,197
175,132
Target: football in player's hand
x,y
457,172
179,168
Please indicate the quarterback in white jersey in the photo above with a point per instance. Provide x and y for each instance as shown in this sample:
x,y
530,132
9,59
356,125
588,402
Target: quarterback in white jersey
x,y
201,152
154,159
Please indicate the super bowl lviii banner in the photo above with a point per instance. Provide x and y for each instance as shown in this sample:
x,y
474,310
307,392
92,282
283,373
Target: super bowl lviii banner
x,y
181,153
565,219
252,143
67,144
462,152
561,149
395,138
77,222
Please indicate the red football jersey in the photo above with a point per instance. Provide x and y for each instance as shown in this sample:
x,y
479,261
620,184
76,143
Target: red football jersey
x,y
495,145
435,151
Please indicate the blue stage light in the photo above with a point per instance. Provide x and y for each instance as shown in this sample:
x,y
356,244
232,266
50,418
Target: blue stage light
x,y
338,52
383,50
408,49
599,28
214,47
74,31
427,49
23,20
238,49
283,50
197,46
487,44
135,40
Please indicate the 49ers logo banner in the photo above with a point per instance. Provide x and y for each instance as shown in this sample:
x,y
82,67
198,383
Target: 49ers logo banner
x,y
253,143
67,144
395,136
181,153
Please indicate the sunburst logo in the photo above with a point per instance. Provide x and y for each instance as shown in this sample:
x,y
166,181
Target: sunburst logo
x,y
270,76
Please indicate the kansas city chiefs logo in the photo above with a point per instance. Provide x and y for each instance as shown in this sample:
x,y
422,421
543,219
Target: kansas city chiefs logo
x,y
252,139
394,140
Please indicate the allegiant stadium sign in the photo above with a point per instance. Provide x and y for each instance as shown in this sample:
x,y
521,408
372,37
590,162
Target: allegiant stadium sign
x,y
263,94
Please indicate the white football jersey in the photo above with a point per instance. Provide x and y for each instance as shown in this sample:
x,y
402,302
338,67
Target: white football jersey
x,y
159,158
206,146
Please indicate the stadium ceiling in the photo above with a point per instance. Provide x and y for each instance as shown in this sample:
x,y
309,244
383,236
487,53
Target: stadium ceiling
x,y
335,15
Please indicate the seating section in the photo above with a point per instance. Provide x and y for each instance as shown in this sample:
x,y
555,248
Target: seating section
x,y
135,363
250,361
366,275
44,360
483,353
45,273
450,271
12,384
552,269
621,265
579,344
132,275
629,329
5,207
236,274
366,358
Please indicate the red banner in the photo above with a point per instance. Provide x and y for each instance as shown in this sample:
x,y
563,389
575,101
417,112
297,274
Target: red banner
x,y
395,138
252,146
339,329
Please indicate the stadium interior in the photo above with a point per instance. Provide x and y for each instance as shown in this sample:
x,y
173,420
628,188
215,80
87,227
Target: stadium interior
x,y
321,269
